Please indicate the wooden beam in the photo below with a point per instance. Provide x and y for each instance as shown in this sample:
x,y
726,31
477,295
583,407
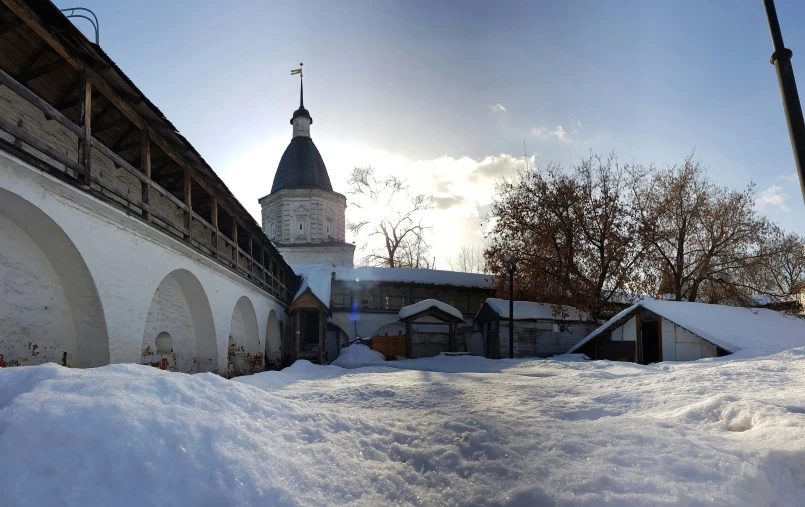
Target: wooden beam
x,y
10,26
41,71
85,122
188,216
145,165
214,218
118,145
34,59
66,104
235,239
251,257
100,127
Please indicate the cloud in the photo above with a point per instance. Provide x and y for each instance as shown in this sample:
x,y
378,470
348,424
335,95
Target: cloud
x,y
463,187
497,108
559,133
448,202
793,178
773,196
495,167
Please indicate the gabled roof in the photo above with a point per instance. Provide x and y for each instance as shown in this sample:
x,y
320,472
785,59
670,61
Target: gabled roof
x,y
442,311
730,327
528,310
316,278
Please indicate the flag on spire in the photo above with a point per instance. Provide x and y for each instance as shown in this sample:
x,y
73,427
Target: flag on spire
x,y
297,71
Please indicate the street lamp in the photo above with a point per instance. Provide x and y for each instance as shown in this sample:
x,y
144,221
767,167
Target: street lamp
x,y
781,59
508,260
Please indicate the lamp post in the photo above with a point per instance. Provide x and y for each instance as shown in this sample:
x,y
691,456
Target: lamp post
x,y
508,260
781,59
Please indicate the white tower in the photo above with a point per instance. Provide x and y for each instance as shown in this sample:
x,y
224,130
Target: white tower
x,y
302,215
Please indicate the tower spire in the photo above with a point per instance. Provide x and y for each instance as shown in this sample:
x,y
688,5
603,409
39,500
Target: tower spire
x,y
301,119
301,87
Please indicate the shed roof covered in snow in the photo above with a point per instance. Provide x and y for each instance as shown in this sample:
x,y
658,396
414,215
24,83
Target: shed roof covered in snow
x,y
418,276
729,327
318,278
528,310
406,312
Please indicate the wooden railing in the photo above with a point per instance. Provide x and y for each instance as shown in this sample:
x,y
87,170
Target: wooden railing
x,y
260,268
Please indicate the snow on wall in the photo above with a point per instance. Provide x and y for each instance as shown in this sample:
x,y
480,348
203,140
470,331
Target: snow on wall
x,y
529,310
120,261
36,324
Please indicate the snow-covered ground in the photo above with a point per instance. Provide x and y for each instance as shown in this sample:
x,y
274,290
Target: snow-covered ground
x,y
439,431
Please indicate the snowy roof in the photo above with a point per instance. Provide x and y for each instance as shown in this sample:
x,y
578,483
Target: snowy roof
x,y
528,310
317,278
730,327
421,276
407,311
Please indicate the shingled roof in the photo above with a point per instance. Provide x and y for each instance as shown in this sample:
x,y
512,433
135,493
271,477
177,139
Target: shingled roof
x,y
301,166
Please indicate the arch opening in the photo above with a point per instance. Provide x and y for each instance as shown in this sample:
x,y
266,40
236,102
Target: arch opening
x,y
273,353
179,330
243,349
51,309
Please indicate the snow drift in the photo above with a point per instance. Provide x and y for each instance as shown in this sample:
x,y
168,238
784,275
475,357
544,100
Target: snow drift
x,y
508,432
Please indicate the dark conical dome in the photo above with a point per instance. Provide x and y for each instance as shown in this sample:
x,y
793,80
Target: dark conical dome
x,y
301,166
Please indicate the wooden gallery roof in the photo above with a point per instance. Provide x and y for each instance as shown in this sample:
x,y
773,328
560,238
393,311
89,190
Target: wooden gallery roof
x,y
43,51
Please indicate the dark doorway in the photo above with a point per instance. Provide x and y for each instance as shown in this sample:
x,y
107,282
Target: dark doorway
x,y
650,338
309,320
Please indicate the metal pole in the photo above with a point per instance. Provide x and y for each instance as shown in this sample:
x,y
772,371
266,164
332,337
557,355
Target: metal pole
x,y
511,311
781,59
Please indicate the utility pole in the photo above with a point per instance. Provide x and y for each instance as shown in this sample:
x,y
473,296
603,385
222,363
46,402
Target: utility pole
x,y
781,59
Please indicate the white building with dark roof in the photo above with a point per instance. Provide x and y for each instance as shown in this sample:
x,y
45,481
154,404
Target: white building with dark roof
x,y
302,214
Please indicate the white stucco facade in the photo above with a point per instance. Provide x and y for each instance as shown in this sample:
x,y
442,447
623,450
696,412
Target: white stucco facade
x,y
82,277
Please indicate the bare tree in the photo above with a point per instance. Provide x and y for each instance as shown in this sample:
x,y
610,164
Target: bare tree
x,y
701,238
570,232
468,260
781,273
413,252
390,213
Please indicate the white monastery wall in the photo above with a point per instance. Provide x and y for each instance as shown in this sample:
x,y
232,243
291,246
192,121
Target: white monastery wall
x,y
33,302
109,265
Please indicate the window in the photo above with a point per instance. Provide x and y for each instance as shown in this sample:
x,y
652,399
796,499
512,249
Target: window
x,y
300,225
164,343
559,328
329,227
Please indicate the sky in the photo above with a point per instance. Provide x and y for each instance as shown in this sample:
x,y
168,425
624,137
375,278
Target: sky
x,y
452,94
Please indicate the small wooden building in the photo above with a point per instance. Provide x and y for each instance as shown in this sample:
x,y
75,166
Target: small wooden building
x,y
651,331
540,330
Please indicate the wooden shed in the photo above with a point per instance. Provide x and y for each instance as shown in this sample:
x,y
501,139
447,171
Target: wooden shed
x,y
651,331
540,330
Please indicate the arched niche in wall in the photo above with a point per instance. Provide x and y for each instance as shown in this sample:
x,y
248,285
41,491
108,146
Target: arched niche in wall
x,y
245,357
181,310
273,355
50,310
